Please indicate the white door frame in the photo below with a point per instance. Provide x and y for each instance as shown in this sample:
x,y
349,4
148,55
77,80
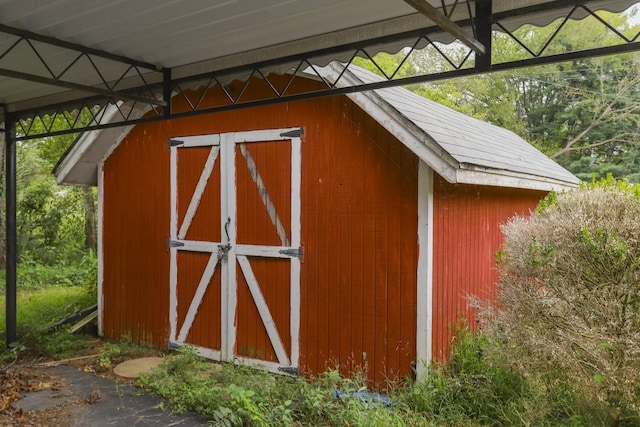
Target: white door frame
x,y
227,253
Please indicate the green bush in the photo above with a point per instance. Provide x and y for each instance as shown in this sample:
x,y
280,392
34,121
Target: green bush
x,y
569,293
33,275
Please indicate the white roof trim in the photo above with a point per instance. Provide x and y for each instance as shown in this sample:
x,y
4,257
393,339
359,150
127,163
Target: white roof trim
x,y
79,165
501,178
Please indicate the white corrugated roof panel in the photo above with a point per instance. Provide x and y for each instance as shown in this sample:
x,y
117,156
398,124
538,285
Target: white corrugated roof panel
x,y
196,36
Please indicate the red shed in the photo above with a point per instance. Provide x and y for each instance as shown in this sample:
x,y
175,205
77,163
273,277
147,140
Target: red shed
x,y
345,231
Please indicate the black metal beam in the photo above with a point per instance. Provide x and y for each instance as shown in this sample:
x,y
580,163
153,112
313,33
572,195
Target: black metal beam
x,y
166,91
77,47
10,224
76,86
465,72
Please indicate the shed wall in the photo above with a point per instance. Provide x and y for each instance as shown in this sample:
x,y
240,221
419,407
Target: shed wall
x,y
359,233
467,235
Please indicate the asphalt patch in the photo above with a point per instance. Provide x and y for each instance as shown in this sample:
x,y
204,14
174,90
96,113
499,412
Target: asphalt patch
x,y
103,402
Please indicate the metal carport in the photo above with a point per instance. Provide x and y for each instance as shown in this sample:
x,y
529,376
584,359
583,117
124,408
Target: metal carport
x,y
60,57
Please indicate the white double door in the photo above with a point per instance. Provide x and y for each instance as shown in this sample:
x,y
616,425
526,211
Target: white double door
x,y
235,246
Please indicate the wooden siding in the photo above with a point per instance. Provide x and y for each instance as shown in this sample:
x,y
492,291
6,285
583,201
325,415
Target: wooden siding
x,y
273,163
205,330
134,240
467,235
359,235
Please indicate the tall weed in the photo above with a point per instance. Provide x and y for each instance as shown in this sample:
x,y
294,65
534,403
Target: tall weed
x,y
478,387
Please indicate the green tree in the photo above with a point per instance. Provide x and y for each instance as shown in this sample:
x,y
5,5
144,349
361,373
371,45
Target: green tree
x,y
50,150
583,113
49,217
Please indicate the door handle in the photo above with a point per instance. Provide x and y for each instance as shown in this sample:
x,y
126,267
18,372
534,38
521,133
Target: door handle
x,y
226,228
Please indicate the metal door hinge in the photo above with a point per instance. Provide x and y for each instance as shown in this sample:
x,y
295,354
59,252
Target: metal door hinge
x,y
296,252
173,346
175,142
175,243
289,370
296,133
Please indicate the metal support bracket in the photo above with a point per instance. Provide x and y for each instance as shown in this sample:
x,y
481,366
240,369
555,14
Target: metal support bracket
x,y
173,346
296,133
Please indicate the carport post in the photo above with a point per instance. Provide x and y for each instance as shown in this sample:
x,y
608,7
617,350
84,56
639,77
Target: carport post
x,y
10,226
484,13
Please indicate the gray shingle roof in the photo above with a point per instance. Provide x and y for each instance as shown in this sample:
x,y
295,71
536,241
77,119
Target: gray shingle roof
x,y
472,144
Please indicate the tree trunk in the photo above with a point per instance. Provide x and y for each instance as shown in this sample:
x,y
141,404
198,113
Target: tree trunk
x,y
90,236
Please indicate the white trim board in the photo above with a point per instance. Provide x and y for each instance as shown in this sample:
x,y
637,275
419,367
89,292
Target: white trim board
x,y
100,301
424,294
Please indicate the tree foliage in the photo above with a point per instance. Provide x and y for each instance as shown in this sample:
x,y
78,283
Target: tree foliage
x,y
584,113
569,290
49,217
55,225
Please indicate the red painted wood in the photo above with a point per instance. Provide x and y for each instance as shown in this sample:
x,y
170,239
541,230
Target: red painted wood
x,y
359,235
135,232
205,226
254,226
351,282
467,236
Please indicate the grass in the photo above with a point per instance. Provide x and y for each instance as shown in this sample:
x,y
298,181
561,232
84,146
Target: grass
x,y
235,395
476,388
473,390
39,308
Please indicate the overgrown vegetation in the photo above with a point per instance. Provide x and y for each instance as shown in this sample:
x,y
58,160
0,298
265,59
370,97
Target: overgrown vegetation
x,y
569,294
36,311
57,265
477,387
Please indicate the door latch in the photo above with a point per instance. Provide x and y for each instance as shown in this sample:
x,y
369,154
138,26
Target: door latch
x,y
223,251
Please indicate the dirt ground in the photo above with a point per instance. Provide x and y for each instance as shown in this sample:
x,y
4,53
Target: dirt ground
x,y
27,376
20,378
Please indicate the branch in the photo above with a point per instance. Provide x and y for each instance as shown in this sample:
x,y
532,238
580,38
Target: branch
x,y
625,137
606,113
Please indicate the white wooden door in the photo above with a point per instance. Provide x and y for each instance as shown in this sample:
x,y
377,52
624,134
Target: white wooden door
x,y
234,237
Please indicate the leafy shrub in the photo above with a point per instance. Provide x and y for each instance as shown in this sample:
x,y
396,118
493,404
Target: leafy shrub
x,y
235,395
569,292
33,275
